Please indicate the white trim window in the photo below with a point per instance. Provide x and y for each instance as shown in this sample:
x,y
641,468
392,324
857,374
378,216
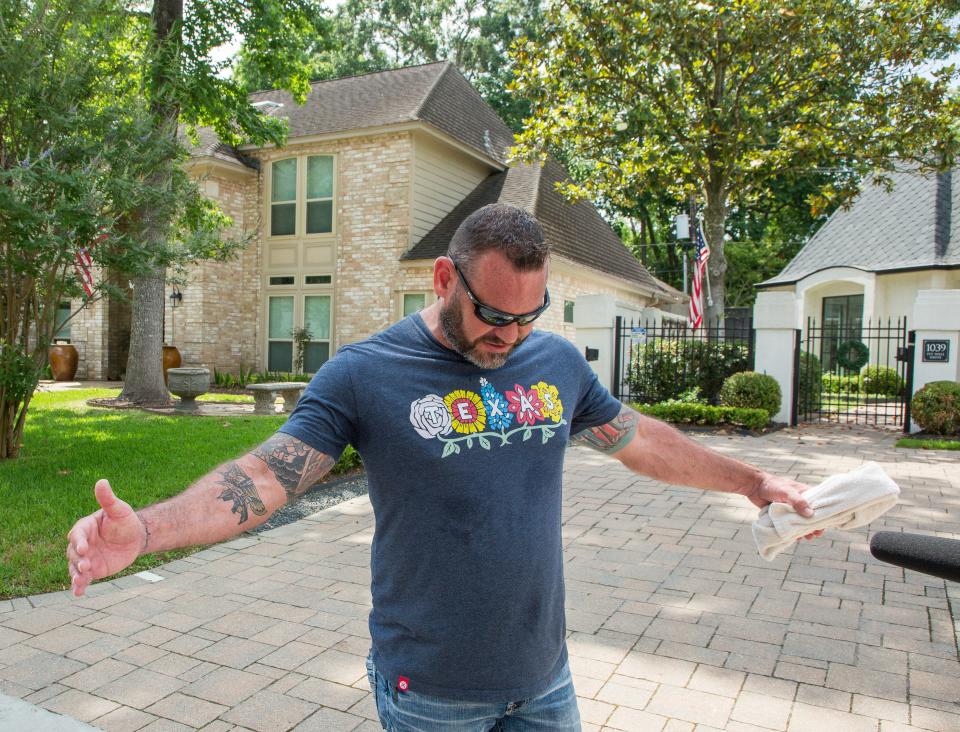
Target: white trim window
x,y
301,196
412,302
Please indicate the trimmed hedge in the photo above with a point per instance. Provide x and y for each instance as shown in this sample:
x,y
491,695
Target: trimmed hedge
x,y
686,413
882,380
936,408
751,390
879,380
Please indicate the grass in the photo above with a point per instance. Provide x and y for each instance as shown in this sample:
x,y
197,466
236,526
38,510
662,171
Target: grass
x,y
928,444
224,397
68,446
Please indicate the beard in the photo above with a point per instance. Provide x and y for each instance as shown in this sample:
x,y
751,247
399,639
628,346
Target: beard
x,y
451,325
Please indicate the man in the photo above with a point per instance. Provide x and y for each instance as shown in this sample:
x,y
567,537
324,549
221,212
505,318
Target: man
x,y
462,414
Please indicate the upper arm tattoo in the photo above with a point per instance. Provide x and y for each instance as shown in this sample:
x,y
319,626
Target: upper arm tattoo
x,y
296,465
612,436
239,488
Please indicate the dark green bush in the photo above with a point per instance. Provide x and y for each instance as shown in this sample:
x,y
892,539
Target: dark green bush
x,y
663,369
809,385
881,380
936,408
751,390
687,413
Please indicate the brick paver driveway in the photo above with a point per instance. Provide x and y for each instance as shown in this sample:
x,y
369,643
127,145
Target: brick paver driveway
x,y
675,622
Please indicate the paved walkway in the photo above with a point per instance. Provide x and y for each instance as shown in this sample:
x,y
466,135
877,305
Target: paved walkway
x,y
675,622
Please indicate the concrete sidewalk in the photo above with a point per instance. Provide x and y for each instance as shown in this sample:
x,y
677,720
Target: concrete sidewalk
x,y
675,622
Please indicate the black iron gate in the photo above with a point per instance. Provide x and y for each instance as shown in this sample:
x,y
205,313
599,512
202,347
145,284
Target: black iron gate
x,y
654,362
861,377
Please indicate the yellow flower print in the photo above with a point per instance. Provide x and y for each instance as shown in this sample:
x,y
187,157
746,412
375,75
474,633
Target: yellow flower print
x,y
467,411
550,404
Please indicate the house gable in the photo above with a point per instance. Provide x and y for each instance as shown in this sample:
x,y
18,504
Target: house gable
x,y
914,226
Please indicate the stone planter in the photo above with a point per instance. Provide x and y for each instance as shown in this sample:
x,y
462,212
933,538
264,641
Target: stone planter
x,y
188,383
63,361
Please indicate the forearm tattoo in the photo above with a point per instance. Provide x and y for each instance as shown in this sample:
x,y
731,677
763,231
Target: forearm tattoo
x,y
238,487
612,436
296,466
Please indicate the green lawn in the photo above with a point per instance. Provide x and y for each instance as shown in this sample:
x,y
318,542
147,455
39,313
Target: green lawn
x,y
928,443
67,446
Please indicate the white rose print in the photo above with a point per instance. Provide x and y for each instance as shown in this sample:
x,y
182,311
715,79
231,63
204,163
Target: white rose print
x,y
430,417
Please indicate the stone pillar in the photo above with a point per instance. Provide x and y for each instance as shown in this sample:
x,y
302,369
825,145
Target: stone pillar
x,y
775,320
936,321
594,318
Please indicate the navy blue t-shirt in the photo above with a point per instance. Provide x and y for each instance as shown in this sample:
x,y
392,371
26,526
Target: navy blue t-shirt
x,y
464,467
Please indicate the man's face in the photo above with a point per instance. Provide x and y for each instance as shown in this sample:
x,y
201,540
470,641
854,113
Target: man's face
x,y
494,282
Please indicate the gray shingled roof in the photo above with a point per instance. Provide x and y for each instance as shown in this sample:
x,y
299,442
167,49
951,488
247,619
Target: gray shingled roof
x,y
914,226
575,231
437,94
209,145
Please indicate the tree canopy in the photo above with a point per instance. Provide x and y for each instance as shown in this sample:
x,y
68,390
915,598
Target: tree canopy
x,y
184,86
375,35
75,152
719,100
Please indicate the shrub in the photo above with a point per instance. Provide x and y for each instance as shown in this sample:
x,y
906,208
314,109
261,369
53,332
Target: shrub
x,y
936,407
664,368
751,390
349,460
809,384
687,413
837,384
881,380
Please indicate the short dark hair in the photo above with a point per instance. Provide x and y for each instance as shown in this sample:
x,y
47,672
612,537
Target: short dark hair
x,y
508,229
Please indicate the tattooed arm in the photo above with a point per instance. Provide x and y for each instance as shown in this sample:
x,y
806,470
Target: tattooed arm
x,y
235,497
654,448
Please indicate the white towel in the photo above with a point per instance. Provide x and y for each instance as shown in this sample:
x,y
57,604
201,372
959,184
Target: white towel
x,y
841,501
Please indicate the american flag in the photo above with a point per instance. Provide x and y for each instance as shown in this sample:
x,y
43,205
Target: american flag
x,y
701,255
83,264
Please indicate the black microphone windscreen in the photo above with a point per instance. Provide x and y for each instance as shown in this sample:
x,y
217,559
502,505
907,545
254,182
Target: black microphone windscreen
x,y
931,555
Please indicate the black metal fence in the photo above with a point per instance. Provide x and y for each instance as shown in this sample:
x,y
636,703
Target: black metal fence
x,y
859,376
655,362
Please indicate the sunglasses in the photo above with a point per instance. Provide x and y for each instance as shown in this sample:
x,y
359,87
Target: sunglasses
x,y
498,318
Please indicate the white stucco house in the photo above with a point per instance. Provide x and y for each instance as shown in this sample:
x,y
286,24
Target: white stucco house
x,y
868,262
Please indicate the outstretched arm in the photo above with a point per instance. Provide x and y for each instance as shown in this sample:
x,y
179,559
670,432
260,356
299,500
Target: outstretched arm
x,y
235,497
653,448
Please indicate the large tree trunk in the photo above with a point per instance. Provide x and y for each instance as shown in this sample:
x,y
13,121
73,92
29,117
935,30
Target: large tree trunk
x,y
715,218
144,380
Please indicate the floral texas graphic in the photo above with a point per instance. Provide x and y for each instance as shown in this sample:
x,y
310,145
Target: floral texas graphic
x,y
469,416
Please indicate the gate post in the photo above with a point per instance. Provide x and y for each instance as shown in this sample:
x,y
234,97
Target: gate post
x,y
775,322
593,317
936,322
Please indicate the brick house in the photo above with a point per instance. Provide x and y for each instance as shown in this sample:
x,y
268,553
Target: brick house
x,y
346,219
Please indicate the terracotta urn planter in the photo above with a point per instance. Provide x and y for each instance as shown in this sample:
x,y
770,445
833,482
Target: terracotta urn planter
x,y
63,361
171,360
188,383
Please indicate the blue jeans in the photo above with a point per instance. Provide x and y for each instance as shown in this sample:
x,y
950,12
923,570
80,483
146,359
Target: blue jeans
x,y
553,710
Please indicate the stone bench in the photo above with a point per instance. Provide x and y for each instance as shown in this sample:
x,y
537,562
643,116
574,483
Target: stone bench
x,y
264,395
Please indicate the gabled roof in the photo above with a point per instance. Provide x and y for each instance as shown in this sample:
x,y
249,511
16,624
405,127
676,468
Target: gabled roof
x,y
914,226
436,94
576,231
440,96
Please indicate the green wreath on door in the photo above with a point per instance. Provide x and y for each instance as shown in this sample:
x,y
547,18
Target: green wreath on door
x,y
853,355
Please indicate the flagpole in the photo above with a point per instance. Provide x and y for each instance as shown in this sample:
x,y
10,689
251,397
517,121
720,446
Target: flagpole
x,y
706,272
